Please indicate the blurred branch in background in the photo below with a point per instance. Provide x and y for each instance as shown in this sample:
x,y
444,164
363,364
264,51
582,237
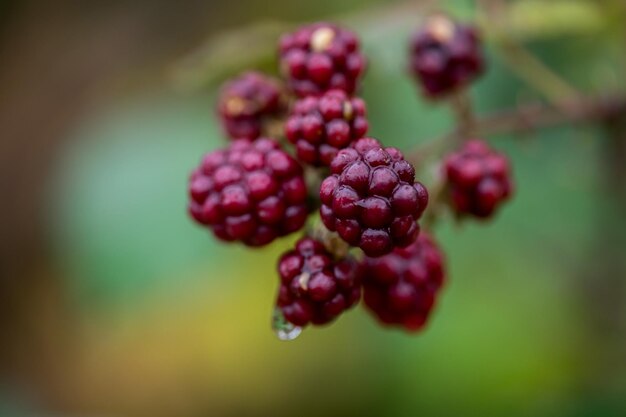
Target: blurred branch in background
x,y
222,55
528,118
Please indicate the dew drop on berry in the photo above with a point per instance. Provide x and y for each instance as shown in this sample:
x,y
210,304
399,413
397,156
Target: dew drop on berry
x,y
283,329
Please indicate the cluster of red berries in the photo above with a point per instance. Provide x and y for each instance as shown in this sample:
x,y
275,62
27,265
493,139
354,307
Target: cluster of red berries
x,y
321,57
371,198
314,287
254,191
320,126
478,179
445,56
249,103
401,288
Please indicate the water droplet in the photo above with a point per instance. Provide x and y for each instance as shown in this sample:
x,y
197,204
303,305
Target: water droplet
x,y
284,330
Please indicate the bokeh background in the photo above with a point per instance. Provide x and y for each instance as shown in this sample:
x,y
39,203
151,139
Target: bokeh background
x,y
113,303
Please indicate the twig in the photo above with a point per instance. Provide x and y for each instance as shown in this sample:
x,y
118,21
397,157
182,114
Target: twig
x,y
530,117
461,105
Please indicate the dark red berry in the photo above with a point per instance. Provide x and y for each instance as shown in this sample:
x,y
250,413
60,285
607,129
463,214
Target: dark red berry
x,y
479,179
445,55
401,288
248,104
371,198
320,57
314,288
320,126
251,191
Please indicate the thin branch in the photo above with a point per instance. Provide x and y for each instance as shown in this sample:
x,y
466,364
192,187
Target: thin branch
x,y
531,117
461,105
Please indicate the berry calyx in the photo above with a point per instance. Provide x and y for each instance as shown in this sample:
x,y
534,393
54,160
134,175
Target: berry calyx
x,y
249,103
401,288
320,57
478,178
320,126
371,198
315,288
445,56
251,192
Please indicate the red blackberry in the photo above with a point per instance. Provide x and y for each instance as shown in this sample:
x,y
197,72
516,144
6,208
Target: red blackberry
x,y
248,103
445,56
321,126
320,57
401,288
314,288
478,178
371,198
251,191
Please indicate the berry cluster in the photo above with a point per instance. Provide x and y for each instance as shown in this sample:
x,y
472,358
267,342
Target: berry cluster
x,y
320,126
314,288
371,198
251,191
321,57
445,56
478,178
400,288
248,103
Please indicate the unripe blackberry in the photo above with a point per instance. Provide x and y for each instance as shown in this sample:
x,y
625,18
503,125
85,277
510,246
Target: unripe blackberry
x,y
320,57
252,192
445,56
478,178
314,288
248,104
401,288
320,126
371,198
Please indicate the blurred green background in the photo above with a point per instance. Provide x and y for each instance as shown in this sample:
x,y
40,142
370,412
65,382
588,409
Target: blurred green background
x,y
113,303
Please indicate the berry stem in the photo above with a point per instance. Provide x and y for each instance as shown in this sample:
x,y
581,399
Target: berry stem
x,y
331,240
461,104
